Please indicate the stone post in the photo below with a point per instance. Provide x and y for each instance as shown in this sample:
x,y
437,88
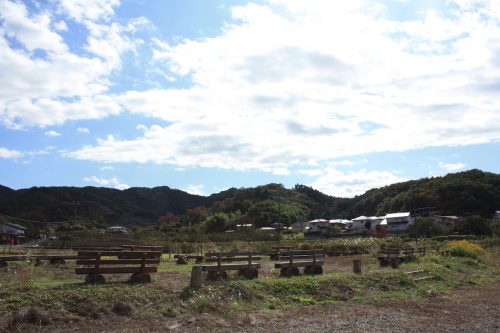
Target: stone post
x,y
196,277
356,266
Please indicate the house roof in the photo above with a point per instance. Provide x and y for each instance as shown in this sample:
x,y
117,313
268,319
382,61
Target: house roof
x,y
14,225
339,221
360,218
318,220
394,215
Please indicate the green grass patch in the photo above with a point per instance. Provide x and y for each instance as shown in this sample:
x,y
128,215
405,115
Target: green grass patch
x,y
55,289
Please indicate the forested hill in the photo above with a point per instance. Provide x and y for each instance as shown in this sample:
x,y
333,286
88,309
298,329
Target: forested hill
x,y
464,193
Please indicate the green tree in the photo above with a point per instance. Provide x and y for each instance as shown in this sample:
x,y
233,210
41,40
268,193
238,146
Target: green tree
x,y
475,225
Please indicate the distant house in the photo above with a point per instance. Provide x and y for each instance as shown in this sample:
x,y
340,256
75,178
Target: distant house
x,y
11,233
397,222
318,227
343,224
244,227
366,224
446,220
117,230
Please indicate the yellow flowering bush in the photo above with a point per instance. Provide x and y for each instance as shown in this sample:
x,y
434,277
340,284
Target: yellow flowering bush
x,y
463,248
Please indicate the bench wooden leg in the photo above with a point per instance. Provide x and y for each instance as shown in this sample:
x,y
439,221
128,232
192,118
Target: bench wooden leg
x,y
395,262
383,262
95,279
249,273
215,275
289,271
313,270
182,260
57,262
140,278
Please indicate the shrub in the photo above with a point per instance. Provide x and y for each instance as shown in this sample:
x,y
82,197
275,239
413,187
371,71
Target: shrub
x,y
462,248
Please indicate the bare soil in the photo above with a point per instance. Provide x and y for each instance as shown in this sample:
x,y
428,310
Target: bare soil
x,y
465,309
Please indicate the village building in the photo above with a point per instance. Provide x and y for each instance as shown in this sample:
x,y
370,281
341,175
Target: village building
x,y
366,224
446,220
11,233
117,230
343,224
397,222
318,227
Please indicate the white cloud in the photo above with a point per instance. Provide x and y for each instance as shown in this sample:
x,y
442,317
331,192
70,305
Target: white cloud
x,y
106,168
285,84
325,80
349,184
83,130
89,10
450,167
7,153
32,31
52,134
195,189
44,82
107,182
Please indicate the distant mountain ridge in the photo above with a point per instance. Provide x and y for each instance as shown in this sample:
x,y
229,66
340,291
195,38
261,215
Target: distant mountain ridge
x,y
463,193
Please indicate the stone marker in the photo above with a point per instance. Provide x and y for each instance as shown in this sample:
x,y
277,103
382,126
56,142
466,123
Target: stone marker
x,y
196,277
356,266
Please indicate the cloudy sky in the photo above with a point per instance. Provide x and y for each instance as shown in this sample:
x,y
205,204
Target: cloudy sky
x,y
200,95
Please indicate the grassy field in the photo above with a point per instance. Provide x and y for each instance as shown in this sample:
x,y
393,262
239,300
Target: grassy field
x,y
48,295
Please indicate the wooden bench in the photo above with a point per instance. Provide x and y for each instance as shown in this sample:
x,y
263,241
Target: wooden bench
x,y
142,247
394,256
54,259
290,262
184,258
277,249
5,259
243,262
139,263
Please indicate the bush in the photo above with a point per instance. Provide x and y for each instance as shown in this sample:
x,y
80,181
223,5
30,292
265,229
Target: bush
x,y
463,248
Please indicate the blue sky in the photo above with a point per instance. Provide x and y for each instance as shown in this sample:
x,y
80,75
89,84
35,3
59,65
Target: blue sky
x,y
206,95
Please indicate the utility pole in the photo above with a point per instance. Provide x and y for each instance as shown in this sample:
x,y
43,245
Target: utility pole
x,y
278,226
413,215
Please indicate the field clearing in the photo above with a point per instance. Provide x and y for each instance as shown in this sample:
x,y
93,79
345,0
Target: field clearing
x,y
59,300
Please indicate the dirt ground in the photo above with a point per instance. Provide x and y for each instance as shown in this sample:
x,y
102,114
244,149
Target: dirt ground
x,y
465,309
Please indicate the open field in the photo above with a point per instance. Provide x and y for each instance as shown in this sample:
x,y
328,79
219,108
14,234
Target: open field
x,y
462,294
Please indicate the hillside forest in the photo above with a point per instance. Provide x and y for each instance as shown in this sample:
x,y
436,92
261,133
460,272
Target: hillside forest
x,y
469,193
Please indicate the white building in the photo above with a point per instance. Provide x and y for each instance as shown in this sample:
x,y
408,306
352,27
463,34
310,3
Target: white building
x,y
366,224
397,222
318,226
446,220
344,224
117,230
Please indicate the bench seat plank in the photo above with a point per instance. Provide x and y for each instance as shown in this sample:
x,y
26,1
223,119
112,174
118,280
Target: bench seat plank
x,y
113,270
230,267
230,259
13,258
298,264
300,257
122,254
117,261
